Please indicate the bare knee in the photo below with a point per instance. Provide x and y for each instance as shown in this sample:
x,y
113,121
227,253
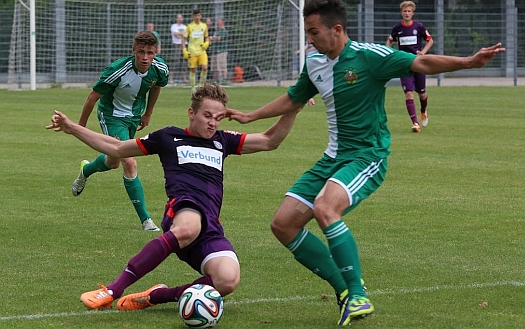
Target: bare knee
x,y
226,276
324,214
283,230
186,226
320,216
130,167
290,219
277,227
112,162
185,235
226,286
225,273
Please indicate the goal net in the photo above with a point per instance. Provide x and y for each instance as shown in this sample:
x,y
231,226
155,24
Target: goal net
x,y
76,39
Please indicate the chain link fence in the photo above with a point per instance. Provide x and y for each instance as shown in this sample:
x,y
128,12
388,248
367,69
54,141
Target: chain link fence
x,y
455,32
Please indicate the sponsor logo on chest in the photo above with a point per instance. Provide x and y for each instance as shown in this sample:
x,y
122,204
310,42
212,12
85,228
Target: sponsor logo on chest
x,y
408,41
200,155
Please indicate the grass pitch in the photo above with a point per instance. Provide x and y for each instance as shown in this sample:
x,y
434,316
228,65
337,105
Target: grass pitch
x,y
441,242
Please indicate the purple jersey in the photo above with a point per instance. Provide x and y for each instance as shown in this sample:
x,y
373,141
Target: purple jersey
x,y
410,37
193,166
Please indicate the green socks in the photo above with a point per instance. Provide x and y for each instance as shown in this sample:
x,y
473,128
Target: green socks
x,y
136,195
97,165
133,185
344,252
313,254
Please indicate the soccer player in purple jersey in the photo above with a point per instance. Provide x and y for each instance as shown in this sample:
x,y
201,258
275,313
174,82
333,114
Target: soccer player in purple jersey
x,y
410,34
192,159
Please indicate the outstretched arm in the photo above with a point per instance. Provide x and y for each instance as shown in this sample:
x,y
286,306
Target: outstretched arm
x,y
98,142
279,106
271,138
433,64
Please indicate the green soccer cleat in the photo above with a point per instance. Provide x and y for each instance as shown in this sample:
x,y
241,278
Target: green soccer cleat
x,y
342,301
355,309
346,314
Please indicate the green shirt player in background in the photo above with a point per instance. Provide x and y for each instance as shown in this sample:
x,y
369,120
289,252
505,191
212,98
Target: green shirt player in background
x,y
351,78
128,90
150,26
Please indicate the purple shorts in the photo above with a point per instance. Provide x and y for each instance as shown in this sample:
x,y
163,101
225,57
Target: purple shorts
x,y
415,82
210,240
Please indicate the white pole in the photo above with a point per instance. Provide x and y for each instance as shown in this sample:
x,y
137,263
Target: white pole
x,y
301,35
32,44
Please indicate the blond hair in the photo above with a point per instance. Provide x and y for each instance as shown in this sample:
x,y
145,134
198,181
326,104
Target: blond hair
x,y
407,4
208,90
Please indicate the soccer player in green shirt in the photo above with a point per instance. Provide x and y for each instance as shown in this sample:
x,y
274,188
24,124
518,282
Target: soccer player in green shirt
x,y
351,78
128,90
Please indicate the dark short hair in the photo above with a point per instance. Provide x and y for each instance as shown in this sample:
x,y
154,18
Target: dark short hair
x,y
331,12
208,90
196,11
145,38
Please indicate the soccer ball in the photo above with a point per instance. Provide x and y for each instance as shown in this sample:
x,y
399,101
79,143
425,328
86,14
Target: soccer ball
x,y
200,306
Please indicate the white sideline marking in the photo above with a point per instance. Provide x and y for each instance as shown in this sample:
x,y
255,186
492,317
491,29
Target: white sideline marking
x,y
447,287
269,300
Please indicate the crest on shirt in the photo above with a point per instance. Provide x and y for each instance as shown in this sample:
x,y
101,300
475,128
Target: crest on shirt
x,y
152,83
218,145
350,76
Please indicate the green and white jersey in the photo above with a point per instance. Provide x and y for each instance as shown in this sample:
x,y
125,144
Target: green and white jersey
x,y
352,87
124,89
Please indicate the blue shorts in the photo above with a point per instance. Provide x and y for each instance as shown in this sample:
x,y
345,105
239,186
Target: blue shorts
x,y
210,241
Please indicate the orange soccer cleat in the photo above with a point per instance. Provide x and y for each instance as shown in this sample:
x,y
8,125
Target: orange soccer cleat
x,y
97,299
424,119
139,300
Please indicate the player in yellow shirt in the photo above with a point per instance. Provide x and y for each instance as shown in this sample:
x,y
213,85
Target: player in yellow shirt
x,y
196,37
